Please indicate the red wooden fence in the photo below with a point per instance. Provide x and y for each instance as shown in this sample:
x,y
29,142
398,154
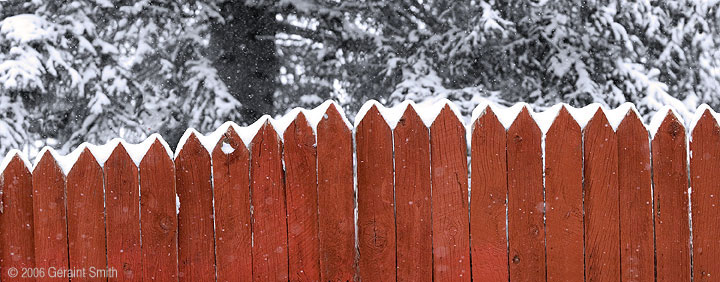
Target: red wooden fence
x,y
383,202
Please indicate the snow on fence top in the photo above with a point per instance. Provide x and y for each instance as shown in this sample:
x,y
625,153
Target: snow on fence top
x,y
427,111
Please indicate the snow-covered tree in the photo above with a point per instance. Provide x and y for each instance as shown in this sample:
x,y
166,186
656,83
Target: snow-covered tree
x,y
82,70
652,53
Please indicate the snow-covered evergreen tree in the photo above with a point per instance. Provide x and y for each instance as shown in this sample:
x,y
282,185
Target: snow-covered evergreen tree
x,y
652,53
83,70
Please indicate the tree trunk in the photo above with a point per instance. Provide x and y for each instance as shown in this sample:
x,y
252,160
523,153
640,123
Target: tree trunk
x,y
244,54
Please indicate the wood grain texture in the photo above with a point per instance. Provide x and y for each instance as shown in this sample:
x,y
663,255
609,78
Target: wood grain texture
x,y
267,184
16,218
637,253
602,225
300,156
196,236
564,199
525,200
376,211
672,223
450,219
158,215
122,205
86,215
412,194
49,215
704,172
488,230
233,234
335,198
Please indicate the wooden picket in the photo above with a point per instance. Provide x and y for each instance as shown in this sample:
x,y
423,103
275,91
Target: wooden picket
x,y
564,199
300,156
602,223
269,217
413,224
670,197
231,187
158,215
375,203
526,232
49,215
335,198
17,249
637,253
487,209
704,171
86,215
450,219
196,238
574,203
122,207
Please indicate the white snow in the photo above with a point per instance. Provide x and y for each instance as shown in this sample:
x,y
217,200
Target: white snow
x,y
247,133
101,153
545,119
616,116
506,115
227,148
25,28
315,115
428,111
391,115
583,115
205,141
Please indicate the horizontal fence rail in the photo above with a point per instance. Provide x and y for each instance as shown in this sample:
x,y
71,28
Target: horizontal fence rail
x,y
570,195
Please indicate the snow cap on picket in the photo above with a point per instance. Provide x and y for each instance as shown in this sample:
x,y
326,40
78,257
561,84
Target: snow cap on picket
x,y
506,115
429,110
699,113
617,115
391,115
10,156
659,117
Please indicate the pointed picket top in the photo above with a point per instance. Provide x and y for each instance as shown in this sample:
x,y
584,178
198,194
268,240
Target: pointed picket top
x,y
85,158
660,116
598,120
194,147
563,121
120,152
667,123
618,115
333,119
267,132
486,119
631,121
705,121
327,110
447,114
410,118
373,118
157,149
230,144
299,128
47,161
524,119
13,156
15,163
